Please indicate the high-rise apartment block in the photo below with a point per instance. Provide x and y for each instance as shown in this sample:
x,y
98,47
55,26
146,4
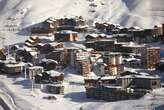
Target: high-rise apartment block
x,y
151,57
114,63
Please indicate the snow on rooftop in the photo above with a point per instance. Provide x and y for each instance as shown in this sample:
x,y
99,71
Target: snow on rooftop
x,y
91,78
107,54
33,53
54,73
89,49
73,44
34,37
17,46
153,48
100,60
94,77
131,44
142,75
103,40
46,39
130,70
159,25
49,21
67,32
41,44
28,44
136,27
52,19
49,60
132,59
113,87
28,49
108,77
93,35
14,64
36,67
31,40
54,43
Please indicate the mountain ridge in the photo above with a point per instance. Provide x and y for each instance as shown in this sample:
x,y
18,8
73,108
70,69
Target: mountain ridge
x,y
143,13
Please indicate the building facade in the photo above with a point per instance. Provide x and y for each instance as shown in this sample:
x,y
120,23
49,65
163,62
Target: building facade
x,y
114,63
151,57
66,36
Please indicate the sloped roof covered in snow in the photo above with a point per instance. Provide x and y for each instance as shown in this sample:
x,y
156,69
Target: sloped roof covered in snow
x,y
54,73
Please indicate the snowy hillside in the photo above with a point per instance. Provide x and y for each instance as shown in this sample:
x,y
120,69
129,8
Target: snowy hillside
x,y
127,12
15,14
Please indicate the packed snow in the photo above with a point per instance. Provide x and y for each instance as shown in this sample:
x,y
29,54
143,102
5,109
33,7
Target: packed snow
x,y
74,98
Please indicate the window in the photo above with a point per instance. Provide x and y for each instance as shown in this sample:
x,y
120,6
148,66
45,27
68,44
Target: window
x,y
154,83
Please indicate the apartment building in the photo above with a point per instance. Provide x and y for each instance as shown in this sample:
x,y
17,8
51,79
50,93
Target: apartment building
x,y
150,57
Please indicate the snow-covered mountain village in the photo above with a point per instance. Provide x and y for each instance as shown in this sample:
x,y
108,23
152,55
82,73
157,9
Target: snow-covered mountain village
x,y
81,55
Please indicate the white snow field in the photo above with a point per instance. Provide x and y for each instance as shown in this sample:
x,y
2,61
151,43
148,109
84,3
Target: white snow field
x,y
143,13
16,14
74,98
